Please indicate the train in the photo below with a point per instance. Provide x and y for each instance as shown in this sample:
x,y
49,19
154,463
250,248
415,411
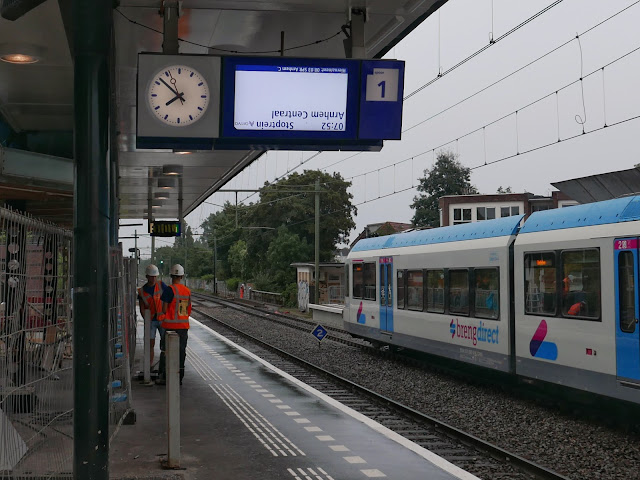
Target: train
x,y
553,298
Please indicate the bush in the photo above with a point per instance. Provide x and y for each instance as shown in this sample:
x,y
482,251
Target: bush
x,y
290,295
232,284
208,277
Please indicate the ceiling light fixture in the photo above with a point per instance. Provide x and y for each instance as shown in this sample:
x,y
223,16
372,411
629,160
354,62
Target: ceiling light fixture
x,y
20,54
172,169
161,196
166,183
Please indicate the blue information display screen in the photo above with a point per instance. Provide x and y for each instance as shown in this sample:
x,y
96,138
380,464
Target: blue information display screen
x,y
290,98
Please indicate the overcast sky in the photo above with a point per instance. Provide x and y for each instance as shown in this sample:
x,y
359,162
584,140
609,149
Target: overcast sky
x,y
461,28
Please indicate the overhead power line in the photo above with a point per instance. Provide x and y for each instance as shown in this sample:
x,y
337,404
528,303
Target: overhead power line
x,y
226,50
484,89
442,74
478,52
503,117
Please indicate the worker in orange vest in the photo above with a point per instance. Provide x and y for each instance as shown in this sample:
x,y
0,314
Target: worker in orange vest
x,y
176,308
149,299
577,308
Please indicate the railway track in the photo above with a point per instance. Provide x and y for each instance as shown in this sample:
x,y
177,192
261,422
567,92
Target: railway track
x,y
464,450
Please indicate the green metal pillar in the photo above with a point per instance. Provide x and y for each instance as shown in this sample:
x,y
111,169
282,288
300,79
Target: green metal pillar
x,y
92,27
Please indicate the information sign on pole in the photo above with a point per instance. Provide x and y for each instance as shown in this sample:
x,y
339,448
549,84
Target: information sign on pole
x,y
171,228
319,332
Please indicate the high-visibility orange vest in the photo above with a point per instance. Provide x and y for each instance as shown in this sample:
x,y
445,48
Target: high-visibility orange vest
x,y
178,311
152,302
575,309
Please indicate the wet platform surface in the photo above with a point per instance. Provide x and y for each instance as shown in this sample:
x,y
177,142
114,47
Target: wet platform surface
x,y
242,418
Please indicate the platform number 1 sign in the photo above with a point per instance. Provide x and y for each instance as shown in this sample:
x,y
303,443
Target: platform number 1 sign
x,y
382,85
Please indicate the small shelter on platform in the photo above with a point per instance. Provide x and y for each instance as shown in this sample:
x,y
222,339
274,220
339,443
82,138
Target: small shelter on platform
x,y
331,283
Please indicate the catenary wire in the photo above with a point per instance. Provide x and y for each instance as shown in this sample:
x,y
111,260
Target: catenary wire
x,y
225,50
482,90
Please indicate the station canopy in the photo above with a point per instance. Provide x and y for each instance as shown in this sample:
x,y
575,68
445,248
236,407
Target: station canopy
x,y
36,100
604,186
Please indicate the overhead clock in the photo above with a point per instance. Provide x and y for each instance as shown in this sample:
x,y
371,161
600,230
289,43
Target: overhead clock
x,y
178,95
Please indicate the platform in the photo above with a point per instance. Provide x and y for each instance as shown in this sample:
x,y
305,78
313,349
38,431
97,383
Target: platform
x,y
244,419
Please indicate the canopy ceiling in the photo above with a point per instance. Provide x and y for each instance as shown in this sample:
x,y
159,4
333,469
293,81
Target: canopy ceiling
x,y
39,97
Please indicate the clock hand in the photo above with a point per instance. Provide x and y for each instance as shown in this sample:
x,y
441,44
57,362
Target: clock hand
x,y
175,86
168,86
179,96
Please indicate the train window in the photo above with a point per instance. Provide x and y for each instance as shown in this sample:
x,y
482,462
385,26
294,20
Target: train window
x,y
487,294
358,279
581,284
540,283
400,289
435,291
459,291
369,281
415,294
626,285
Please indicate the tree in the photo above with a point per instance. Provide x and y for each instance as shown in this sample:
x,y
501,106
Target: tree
x,y
447,177
220,229
283,250
504,190
297,211
238,259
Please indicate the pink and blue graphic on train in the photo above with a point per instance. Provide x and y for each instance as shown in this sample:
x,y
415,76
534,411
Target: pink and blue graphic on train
x,y
541,349
361,317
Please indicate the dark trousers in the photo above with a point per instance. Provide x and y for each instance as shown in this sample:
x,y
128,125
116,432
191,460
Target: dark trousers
x,y
183,333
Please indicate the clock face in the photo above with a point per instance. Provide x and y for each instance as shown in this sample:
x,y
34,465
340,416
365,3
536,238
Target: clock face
x,y
178,95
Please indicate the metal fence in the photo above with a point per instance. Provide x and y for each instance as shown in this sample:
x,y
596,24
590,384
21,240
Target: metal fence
x,y
36,347
122,335
36,378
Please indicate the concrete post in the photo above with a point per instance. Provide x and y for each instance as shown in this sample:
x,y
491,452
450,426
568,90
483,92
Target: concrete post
x,y
172,352
146,369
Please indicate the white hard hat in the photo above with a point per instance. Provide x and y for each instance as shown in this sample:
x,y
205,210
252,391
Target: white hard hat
x,y
177,270
152,271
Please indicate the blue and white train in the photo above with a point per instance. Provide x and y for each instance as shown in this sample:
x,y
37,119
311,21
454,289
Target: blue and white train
x,y
554,298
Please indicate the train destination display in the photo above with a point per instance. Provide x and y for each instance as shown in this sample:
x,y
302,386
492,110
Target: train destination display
x,y
275,103
283,97
290,98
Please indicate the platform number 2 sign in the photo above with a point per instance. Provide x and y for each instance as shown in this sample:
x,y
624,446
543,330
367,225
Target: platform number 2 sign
x,y
382,85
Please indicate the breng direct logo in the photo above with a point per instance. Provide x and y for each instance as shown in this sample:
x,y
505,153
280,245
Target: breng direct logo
x,y
541,349
474,333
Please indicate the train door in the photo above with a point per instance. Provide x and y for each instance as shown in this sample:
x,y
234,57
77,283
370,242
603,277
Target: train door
x,y
386,293
627,305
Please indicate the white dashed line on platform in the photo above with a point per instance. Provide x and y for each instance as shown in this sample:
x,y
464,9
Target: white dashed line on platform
x,y
374,473
355,459
339,448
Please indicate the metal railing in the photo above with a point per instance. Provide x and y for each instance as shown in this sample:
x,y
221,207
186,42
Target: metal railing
x,y
336,294
266,297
